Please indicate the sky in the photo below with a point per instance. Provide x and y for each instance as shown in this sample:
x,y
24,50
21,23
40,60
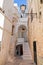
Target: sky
x,y
20,2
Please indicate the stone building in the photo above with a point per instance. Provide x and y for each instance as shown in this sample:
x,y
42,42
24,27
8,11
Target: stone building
x,y
8,16
35,29
21,33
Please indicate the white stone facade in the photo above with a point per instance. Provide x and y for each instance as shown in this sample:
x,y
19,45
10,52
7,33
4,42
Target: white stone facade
x,y
8,15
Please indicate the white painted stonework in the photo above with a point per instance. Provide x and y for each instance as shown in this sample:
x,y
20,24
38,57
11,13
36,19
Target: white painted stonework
x,y
20,41
1,3
8,8
26,50
1,25
6,18
1,20
21,21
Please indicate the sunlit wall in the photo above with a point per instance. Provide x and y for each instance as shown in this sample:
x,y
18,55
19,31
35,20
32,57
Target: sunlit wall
x,y
1,3
1,27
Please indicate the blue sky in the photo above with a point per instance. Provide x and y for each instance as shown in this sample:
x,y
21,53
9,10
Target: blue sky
x,y
20,2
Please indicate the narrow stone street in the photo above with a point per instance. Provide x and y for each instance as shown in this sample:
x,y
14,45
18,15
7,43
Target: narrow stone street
x,y
19,61
26,59
21,32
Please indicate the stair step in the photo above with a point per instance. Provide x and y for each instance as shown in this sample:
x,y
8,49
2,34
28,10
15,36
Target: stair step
x,y
27,52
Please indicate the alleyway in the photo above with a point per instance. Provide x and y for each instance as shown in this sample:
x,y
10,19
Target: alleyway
x,y
21,32
19,61
25,59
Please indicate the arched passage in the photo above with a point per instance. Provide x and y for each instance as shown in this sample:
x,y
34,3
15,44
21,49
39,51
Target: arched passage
x,y
22,32
22,38
19,50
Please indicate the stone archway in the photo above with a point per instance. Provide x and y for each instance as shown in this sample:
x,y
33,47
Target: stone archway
x,y
22,32
19,50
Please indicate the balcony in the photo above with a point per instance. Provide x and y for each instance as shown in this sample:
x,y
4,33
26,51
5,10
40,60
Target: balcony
x,y
20,41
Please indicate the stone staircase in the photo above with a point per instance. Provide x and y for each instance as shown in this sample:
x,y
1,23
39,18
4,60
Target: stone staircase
x,y
26,58
26,49
27,53
26,62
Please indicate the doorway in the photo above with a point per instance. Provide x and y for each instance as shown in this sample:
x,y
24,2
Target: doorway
x,y
35,52
19,50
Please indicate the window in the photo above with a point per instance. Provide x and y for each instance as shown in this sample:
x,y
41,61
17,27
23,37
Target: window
x,y
41,1
40,14
21,16
12,29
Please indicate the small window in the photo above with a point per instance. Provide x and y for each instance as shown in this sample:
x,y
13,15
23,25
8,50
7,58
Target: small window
x,y
40,14
23,28
3,11
12,29
41,1
21,16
